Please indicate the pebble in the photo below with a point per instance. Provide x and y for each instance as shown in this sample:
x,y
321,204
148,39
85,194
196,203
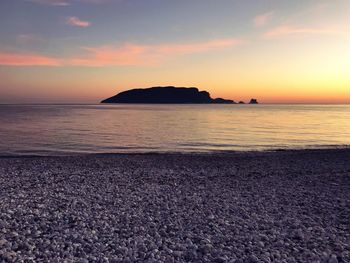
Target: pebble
x,y
251,207
333,259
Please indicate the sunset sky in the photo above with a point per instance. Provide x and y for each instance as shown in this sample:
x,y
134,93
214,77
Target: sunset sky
x,y
279,51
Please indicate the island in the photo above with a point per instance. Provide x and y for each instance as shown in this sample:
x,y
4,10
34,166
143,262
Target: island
x,y
253,101
166,95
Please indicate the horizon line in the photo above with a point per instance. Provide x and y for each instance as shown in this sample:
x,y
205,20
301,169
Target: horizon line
x,y
99,103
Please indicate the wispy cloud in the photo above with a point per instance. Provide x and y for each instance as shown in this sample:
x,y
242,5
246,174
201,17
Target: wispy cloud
x,y
13,59
123,55
51,2
75,21
68,2
262,19
293,30
141,55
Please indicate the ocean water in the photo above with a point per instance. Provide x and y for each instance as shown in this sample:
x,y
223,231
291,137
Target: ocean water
x,y
80,129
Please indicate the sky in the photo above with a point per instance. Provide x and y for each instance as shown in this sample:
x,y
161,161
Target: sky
x,y
82,51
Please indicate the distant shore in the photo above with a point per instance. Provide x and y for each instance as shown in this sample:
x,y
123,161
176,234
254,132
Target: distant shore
x,y
270,206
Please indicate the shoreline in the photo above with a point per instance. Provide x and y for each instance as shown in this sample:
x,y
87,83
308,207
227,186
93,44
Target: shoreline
x,y
327,148
278,206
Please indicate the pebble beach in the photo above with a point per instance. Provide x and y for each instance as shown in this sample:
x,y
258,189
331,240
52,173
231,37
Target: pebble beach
x,y
278,206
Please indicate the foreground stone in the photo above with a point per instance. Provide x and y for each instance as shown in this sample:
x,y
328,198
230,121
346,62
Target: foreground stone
x,y
289,206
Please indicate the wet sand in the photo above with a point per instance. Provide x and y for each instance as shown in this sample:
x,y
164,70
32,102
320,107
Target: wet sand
x,y
286,206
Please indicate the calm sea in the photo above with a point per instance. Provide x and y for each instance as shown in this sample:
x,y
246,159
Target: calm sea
x,y
69,129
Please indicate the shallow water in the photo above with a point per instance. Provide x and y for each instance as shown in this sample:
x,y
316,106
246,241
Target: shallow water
x,y
67,129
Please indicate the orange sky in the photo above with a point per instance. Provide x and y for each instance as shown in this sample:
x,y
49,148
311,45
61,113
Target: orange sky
x,y
278,53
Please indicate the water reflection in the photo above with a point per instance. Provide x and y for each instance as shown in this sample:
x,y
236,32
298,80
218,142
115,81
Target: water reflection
x,y
52,129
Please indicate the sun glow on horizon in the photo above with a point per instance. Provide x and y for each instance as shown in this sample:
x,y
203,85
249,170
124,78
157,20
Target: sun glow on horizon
x,y
288,53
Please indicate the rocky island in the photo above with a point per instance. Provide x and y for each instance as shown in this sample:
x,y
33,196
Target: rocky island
x,y
253,101
166,95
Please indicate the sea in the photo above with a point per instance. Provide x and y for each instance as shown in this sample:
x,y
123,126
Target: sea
x,y
142,128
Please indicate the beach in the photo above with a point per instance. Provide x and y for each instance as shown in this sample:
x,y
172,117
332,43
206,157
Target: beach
x,y
269,206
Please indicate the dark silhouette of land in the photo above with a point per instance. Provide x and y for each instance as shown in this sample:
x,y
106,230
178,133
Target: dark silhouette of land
x,y
166,95
253,101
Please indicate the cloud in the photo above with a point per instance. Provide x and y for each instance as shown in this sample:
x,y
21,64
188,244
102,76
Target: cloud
x,y
262,19
75,21
68,2
143,55
13,59
51,2
290,30
124,55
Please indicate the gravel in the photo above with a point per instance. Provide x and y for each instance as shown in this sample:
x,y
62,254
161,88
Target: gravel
x,y
287,206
